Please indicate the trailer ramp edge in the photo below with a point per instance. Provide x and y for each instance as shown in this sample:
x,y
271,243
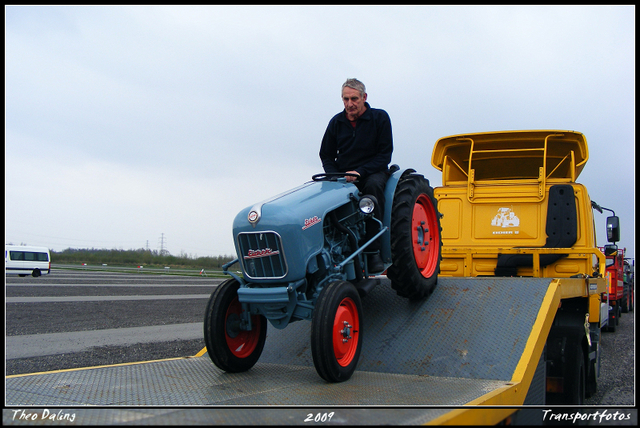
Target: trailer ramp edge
x,y
514,393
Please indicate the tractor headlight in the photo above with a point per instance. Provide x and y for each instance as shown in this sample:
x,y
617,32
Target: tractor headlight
x,y
367,204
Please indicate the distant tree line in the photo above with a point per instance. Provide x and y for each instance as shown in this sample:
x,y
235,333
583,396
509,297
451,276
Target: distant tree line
x,y
137,257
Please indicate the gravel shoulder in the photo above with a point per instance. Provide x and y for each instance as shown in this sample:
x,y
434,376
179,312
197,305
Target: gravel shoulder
x,y
616,385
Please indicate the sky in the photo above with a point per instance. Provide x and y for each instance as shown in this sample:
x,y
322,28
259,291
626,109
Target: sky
x,y
132,127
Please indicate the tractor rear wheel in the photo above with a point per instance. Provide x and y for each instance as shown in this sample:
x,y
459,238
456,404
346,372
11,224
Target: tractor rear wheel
x,y
230,347
336,331
416,244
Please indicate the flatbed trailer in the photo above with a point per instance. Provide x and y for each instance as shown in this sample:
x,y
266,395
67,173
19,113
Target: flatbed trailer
x,y
476,343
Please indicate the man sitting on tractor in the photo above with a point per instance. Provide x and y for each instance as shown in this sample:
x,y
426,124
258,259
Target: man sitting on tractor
x,y
358,141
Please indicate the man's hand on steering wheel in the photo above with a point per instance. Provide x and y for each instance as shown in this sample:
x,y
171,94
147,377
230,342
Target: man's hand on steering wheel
x,y
349,176
354,175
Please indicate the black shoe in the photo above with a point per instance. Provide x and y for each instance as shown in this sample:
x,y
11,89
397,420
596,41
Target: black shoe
x,y
375,263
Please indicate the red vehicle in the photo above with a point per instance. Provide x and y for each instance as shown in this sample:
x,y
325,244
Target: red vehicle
x,y
615,295
629,295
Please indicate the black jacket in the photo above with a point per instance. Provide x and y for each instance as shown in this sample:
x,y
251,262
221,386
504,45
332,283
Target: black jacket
x,y
367,148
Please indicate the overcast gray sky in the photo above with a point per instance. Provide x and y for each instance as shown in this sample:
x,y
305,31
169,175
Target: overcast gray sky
x,y
125,124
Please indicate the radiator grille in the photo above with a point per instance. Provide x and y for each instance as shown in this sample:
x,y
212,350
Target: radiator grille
x,y
261,254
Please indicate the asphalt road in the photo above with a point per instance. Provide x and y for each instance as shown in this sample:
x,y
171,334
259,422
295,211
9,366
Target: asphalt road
x,y
73,319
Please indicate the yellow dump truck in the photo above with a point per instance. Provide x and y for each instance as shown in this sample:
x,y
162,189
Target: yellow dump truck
x,y
511,207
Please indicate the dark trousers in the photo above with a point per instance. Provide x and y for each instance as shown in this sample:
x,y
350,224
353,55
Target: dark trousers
x,y
374,185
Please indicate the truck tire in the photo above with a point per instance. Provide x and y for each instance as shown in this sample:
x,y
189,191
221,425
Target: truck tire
x,y
336,331
591,386
574,380
625,299
231,349
416,244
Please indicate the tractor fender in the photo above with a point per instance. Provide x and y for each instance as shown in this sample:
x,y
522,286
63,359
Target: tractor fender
x,y
396,174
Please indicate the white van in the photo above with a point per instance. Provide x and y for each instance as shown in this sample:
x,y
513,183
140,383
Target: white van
x,y
24,260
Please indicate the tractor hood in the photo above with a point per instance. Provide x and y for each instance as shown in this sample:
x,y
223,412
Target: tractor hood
x,y
275,238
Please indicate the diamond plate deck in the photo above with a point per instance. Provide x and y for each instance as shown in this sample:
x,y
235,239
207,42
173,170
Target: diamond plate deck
x,y
468,328
460,344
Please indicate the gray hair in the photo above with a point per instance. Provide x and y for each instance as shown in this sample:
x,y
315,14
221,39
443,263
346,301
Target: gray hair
x,y
354,84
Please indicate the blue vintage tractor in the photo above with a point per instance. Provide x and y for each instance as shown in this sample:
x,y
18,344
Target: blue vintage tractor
x,y
303,256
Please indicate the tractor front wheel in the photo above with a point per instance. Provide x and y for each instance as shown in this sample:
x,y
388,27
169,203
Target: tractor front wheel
x,y
230,347
336,331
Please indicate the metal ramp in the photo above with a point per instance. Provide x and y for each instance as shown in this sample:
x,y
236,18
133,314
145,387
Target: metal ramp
x,y
461,344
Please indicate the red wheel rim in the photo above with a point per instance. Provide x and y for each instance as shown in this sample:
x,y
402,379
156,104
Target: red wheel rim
x,y
346,332
243,343
425,236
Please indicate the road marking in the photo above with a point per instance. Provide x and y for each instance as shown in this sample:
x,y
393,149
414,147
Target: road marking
x,y
59,299
106,284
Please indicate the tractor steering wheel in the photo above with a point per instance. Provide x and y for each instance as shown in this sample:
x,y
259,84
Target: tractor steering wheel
x,y
332,176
